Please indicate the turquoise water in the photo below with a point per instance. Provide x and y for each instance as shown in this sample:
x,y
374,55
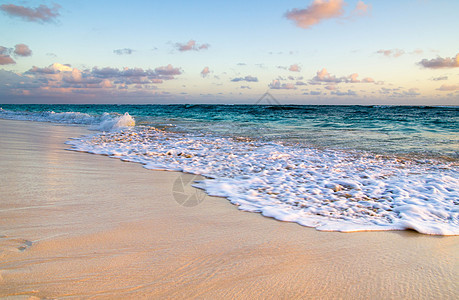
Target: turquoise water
x,y
405,130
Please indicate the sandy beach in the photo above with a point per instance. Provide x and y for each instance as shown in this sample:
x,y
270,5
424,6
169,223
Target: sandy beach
x,y
75,225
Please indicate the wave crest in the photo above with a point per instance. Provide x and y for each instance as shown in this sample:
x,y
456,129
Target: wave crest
x,y
104,122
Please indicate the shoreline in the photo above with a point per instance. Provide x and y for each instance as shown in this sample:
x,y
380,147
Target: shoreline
x,y
78,225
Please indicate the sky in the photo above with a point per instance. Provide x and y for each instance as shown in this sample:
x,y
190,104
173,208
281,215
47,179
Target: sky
x,y
403,52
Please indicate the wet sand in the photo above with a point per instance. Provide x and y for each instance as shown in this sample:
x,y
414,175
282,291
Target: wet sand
x,y
75,225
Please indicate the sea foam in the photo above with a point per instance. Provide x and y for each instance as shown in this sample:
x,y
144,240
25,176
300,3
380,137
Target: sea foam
x,y
326,189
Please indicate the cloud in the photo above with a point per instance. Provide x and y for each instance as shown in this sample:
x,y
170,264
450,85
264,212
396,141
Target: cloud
x,y
13,83
191,45
361,9
19,50
168,70
41,13
392,52
276,85
294,68
386,91
324,76
348,93
246,78
56,68
124,51
4,50
398,52
319,10
77,85
448,88
60,76
106,72
353,78
398,92
22,50
440,62
440,78
205,72
411,92
6,60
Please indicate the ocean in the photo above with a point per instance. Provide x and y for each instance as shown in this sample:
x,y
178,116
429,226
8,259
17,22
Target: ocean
x,y
335,168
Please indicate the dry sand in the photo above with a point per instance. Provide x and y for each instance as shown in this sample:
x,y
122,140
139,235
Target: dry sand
x,y
75,225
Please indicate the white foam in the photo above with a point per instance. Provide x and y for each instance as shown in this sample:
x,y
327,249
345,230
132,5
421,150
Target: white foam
x,y
109,123
328,190
104,122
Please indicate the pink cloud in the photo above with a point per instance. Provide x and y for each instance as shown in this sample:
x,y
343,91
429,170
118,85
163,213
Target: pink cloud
x,y
41,13
294,68
168,70
440,62
319,10
368,80
6,60
324,76
448,88
392,52
191,45
361,8
205,72
22,50
107,84
353,78
417,51
60,76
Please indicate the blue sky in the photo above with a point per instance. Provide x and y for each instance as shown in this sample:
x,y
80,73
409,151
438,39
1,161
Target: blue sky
x,y
302,52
